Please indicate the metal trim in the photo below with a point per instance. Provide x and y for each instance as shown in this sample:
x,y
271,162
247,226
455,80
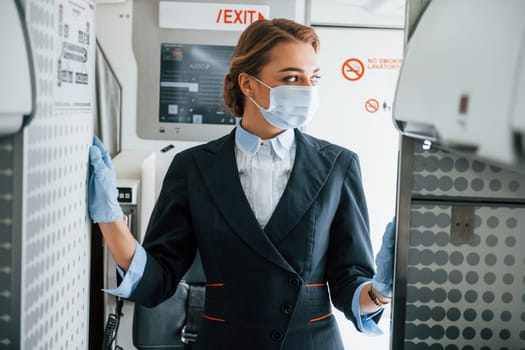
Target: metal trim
x,y
404,200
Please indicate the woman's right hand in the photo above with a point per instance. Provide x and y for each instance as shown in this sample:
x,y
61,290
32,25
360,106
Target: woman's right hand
x,y
103,205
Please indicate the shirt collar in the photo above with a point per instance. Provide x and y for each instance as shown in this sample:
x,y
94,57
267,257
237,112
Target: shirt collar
x,y
250,143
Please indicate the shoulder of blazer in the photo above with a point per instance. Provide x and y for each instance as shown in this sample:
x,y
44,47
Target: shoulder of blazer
x,y
215,145
327,148
212,146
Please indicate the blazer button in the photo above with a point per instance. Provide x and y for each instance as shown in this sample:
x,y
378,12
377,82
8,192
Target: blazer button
x,y
294,281
277,335
286,309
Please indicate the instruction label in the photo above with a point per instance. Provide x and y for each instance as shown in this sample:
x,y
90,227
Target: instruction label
x,y
75,54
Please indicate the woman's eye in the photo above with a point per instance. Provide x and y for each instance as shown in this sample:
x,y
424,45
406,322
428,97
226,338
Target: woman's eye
x,y
301,79
315,78
291,78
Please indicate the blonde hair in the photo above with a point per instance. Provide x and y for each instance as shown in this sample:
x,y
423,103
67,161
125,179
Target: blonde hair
x,y
253,52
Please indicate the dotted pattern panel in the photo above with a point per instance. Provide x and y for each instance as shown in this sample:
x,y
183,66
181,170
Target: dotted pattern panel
x,y
466,297
56,232
439,173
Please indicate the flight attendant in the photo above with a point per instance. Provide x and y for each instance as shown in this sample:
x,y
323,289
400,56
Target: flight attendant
x,y
279,217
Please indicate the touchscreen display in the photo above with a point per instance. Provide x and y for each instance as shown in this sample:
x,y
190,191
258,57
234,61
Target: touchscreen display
x,y
191,84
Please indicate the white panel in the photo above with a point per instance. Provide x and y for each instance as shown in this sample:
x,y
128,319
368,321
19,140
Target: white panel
x,y
371,60
458,84
56,231
15,83
358,13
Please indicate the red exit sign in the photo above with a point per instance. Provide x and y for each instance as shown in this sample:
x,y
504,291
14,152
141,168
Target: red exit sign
x,y
209,16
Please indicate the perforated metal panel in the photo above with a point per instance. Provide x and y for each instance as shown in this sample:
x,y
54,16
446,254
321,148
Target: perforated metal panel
x,y
56,236
45,231
437,173
466,290
466,296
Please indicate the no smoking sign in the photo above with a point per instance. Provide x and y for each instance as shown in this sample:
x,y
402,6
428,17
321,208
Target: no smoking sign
x,y
353,69
372,105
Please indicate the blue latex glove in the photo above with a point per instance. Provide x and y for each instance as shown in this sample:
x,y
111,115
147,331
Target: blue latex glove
x,y
102,187
383,280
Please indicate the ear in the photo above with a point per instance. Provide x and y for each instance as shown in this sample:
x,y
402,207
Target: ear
x,y
245,83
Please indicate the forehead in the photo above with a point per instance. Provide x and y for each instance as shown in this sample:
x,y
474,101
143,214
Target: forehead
x,y
292,54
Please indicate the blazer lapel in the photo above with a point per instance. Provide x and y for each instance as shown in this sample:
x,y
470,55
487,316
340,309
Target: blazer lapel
x,y
311,168
219,171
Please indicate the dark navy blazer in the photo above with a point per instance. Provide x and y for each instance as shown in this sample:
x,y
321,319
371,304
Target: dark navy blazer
x,y
267,289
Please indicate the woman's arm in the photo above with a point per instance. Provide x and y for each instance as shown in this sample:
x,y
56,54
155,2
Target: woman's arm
x,y
120,241
104,207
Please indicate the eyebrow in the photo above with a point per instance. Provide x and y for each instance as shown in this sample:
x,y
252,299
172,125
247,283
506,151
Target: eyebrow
x,y
295,69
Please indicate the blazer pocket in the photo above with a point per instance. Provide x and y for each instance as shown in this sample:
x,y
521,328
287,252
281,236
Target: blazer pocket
x,y
214,306
317,294
321,318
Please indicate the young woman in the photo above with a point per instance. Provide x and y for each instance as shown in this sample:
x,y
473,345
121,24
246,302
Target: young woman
x,y
279,217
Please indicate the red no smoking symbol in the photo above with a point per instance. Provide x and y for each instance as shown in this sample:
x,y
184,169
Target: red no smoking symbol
x,y
372,105
353,69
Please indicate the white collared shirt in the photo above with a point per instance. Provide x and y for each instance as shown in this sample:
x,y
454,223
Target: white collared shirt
x,y
264,169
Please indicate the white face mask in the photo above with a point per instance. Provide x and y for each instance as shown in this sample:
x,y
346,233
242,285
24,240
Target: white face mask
x,y
291,106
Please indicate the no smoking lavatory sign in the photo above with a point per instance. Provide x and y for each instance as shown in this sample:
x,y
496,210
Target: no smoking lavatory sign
x,y
353,69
